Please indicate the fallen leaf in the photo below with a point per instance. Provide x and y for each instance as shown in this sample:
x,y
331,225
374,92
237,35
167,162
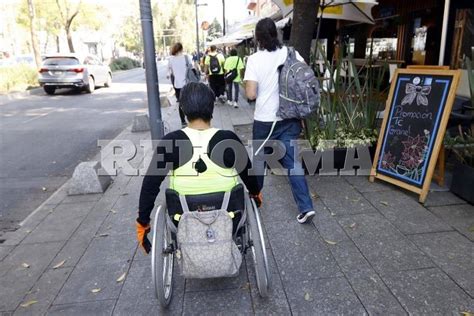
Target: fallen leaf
x,y
246,286
103,235
122,277
59,265
352,225
29,303
25,265
471,229
330,242
467,314
355,200
314,195
96,290
384,203
307,297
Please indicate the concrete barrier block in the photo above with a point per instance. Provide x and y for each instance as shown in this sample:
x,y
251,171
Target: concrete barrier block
x,y
141,123
85,179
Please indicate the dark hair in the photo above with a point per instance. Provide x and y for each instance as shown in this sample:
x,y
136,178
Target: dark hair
x,y
178,47
197,101
233,52
266,35
213,48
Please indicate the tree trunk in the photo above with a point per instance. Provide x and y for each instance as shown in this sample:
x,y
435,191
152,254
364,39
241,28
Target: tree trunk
x,y
69,40
305,14
34,37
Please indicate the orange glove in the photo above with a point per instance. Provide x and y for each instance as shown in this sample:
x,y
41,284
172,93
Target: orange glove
x,y
258,199
142,232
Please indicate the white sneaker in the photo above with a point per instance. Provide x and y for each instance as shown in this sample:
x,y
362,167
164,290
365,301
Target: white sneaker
x,y
236,105
305,217
229,102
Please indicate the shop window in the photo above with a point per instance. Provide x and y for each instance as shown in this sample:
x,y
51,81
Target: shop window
x,y
382,48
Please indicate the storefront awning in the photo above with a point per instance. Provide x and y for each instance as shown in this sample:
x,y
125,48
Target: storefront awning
x,y
351,10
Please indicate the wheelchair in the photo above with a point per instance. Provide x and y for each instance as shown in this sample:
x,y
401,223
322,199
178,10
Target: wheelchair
x,y
247,234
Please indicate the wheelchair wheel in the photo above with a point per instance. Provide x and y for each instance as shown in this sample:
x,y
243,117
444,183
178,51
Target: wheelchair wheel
x,y
257,247
162,258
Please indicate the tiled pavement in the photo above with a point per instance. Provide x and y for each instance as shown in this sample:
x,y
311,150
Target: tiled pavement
x,y
371,249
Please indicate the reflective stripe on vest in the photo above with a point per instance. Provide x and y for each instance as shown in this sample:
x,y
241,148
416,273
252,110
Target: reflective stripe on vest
x,y
186,180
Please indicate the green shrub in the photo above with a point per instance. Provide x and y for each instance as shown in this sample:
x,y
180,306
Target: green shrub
x,y
18,78
123,63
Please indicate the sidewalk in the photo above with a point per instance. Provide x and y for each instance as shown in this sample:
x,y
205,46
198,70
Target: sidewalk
x,y
371,249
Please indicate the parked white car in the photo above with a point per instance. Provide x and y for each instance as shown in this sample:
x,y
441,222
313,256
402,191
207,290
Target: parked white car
x,y
72,71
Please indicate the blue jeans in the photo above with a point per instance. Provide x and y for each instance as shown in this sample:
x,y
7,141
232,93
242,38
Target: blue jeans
x,y
235,87
285,131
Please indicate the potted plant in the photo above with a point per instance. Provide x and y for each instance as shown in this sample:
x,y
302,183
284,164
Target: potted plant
x,y
463,171
351,98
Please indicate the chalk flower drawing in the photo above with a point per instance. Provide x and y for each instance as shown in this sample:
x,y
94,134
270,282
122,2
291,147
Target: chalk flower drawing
x,y
416,92
414,153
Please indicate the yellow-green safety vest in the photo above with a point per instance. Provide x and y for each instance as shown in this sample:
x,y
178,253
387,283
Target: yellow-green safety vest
x,y
187,181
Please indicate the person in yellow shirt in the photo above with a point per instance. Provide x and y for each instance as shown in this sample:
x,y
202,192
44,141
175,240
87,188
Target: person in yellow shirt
x,y
214,68
234,71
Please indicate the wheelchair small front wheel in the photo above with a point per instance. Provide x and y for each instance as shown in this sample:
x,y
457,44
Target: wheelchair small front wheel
x,y
257,247
162,258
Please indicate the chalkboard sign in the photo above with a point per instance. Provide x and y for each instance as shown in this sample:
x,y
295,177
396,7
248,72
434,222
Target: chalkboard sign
x,y
416,114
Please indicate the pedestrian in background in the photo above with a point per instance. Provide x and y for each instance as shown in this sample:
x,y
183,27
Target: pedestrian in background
x,y
177,66
214,68
234,71
261,83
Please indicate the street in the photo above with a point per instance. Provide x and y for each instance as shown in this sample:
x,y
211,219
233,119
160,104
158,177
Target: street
x,y
44,137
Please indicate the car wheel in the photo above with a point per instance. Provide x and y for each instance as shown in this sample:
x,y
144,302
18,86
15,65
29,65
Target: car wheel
x,y
91,86
49,90
108,83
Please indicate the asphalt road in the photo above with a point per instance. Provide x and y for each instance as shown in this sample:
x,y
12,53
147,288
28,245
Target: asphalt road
x,y
43,138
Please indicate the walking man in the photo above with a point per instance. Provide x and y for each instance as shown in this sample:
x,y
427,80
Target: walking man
x,y
214,68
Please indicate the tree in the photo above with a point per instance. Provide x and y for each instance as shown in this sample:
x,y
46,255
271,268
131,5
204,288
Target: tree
x,y
34,37
131,35
305,14
68,14
214,31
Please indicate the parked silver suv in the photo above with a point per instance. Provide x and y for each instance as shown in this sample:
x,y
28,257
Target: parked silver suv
x,y
71,71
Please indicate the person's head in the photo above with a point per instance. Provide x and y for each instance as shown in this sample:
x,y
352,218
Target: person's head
x,y
176,49
233,52
213,48
197,101
266,35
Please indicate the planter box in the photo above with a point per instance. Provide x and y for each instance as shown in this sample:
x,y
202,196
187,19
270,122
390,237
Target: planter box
x,y
463,182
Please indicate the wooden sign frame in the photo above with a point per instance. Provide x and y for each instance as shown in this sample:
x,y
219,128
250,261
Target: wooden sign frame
x,y
438,142
428,67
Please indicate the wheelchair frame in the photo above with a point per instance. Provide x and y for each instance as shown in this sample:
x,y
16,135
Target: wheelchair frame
x,y
164,246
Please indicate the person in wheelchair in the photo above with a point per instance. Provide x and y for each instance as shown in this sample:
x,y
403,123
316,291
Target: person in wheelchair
x,y
186,155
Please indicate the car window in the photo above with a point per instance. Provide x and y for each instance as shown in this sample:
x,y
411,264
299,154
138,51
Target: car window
x,y
61,61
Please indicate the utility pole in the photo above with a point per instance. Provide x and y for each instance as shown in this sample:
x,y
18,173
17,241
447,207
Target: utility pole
x,y
223,17
152,86
197,28
34,37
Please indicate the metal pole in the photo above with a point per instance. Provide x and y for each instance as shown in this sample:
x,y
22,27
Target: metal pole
x,y
444,32
223,17
152,87
197,28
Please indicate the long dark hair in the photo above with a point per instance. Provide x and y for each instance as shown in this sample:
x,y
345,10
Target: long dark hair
x,y
266,35
177,48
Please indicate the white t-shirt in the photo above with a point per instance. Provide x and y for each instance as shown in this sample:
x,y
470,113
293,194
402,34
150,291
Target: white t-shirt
x,y
177,66
262,67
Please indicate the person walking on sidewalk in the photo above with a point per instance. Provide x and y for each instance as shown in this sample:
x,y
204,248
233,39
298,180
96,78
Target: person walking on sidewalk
x,y
261,83
234,68
177,66
214,68
189,175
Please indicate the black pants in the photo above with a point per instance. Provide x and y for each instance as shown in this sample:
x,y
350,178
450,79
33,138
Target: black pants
x,y
181,113
233,86
217,84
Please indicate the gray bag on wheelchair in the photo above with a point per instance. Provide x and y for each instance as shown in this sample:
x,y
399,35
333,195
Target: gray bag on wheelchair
x,y
206,245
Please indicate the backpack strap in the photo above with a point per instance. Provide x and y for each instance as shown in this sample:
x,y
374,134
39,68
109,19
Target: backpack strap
x,y
291,52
